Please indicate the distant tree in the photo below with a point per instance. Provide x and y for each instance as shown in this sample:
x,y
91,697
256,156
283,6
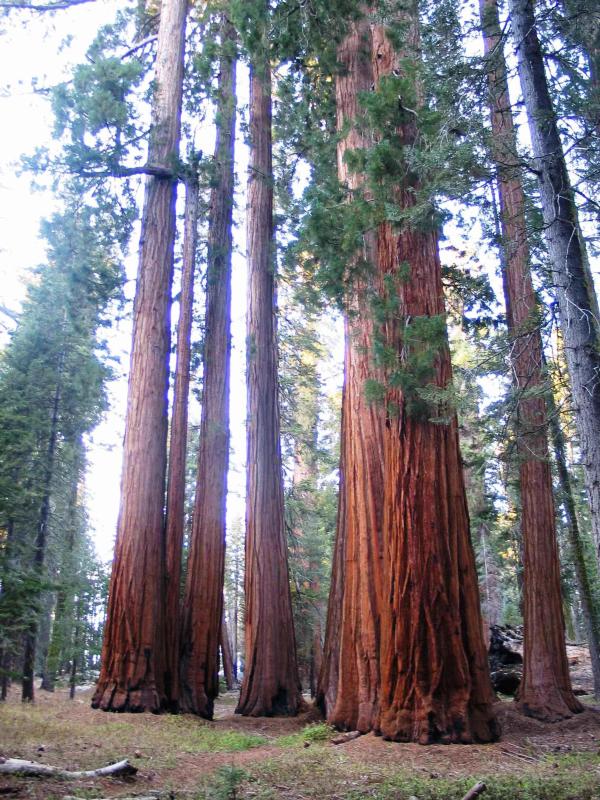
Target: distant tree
x,y
575,293
203,622
545,691
271,684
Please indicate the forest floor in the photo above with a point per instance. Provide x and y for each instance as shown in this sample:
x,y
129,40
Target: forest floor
x,y
240,758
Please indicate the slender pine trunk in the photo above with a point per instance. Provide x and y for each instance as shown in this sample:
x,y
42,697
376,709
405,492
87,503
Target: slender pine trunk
x,y
39,555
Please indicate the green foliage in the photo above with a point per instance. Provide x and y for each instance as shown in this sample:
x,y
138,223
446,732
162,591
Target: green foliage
x,y
317,733
225,784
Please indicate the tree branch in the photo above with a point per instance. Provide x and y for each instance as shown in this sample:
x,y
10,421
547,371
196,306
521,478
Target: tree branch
x,y
60,5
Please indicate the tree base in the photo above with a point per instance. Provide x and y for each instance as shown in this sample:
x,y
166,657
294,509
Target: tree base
x,y
282,704
440,727
112,697
550,706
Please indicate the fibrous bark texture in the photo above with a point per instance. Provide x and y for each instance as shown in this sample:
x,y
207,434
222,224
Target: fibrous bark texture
x,y
435,682
203,601
349,682
545,691
575,293
133,662
429,670
175,515
271,684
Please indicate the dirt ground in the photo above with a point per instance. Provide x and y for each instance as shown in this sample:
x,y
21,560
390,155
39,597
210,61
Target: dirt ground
x,y
237,757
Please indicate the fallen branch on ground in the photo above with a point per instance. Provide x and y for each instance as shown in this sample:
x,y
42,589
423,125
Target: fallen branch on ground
x,y
19,766
475,791
345,737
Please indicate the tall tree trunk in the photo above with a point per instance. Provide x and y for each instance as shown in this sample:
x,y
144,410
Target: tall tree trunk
x,y
133,660
64,597
41,540
545,691
226,654
589,604
203,603
348,688
271,685
175,518
576,300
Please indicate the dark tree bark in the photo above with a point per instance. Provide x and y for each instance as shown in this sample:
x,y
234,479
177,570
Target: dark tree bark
x,y
271,685
348,688
203,603
589,604
575,293
133,659
226,655
545,691
41,540
175,515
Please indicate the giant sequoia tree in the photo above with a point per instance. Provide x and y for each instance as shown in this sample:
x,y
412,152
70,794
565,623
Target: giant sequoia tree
x,y
575,294
349,681
203,621
133,661
271,685
545,690
428,678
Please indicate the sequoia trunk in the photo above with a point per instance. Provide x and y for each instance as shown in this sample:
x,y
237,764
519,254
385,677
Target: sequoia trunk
x,y
271,685
203,602
545,691
575,293
348,688
133,661
175,518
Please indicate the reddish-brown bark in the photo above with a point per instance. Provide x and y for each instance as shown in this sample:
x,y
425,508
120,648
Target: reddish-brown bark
x,y
132,673
434,673
409,659
545,690
271,685
349,681
175,515
203,602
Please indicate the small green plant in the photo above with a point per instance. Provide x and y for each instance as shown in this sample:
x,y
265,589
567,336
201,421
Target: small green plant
x,y
319,732
225,785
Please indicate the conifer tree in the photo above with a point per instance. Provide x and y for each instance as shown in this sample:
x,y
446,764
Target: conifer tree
x,y
271,685
133,659
575,294
203,620
428,680
545,691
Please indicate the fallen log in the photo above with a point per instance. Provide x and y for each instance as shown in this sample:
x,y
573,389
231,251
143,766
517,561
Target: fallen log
x,y
19,766
345,737
475,791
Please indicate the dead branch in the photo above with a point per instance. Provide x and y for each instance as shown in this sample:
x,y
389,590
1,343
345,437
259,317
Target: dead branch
x,y
345,737
19,766
475,791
